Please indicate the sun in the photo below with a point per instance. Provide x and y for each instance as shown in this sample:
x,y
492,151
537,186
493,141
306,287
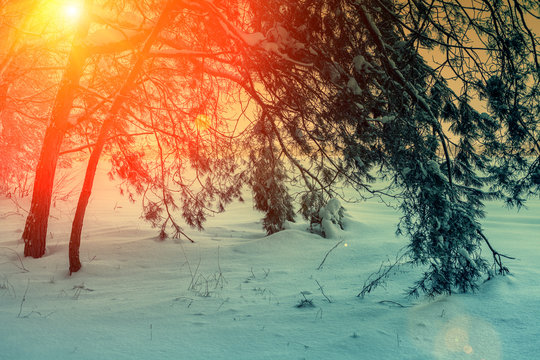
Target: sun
x,y
72,11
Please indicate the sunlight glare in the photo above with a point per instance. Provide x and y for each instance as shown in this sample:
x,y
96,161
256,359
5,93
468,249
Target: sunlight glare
x,y
72,11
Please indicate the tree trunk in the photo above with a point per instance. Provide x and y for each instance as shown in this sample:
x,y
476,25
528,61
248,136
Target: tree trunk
x,y
76,230
35,229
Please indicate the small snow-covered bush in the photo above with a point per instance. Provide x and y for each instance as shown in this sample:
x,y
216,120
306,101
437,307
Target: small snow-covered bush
x,y
325,218
331,216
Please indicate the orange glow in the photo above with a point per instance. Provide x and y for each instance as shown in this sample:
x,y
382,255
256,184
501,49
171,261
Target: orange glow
x,y
202,122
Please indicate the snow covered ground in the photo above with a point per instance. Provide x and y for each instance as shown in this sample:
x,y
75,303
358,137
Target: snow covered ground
x,y
234,293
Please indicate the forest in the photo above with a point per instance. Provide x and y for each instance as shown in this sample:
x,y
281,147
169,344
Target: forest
x,y
322,121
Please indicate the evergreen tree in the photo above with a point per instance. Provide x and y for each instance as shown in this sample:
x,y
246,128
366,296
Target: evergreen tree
x,y
349,90
117,86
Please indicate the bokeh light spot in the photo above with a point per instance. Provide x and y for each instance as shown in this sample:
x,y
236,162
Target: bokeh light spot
x,y
202,122
467,349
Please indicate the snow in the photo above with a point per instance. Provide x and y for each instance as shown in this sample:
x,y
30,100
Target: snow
x,y
277,41
361,65
383,119
252,39
331,219
354,87
108,36
233,294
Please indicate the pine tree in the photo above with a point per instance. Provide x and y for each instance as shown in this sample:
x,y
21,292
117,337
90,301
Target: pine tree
x,y
351,95
170,87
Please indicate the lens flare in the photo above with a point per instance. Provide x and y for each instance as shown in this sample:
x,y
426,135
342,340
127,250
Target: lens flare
x,y
443,329
456,339
467,337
